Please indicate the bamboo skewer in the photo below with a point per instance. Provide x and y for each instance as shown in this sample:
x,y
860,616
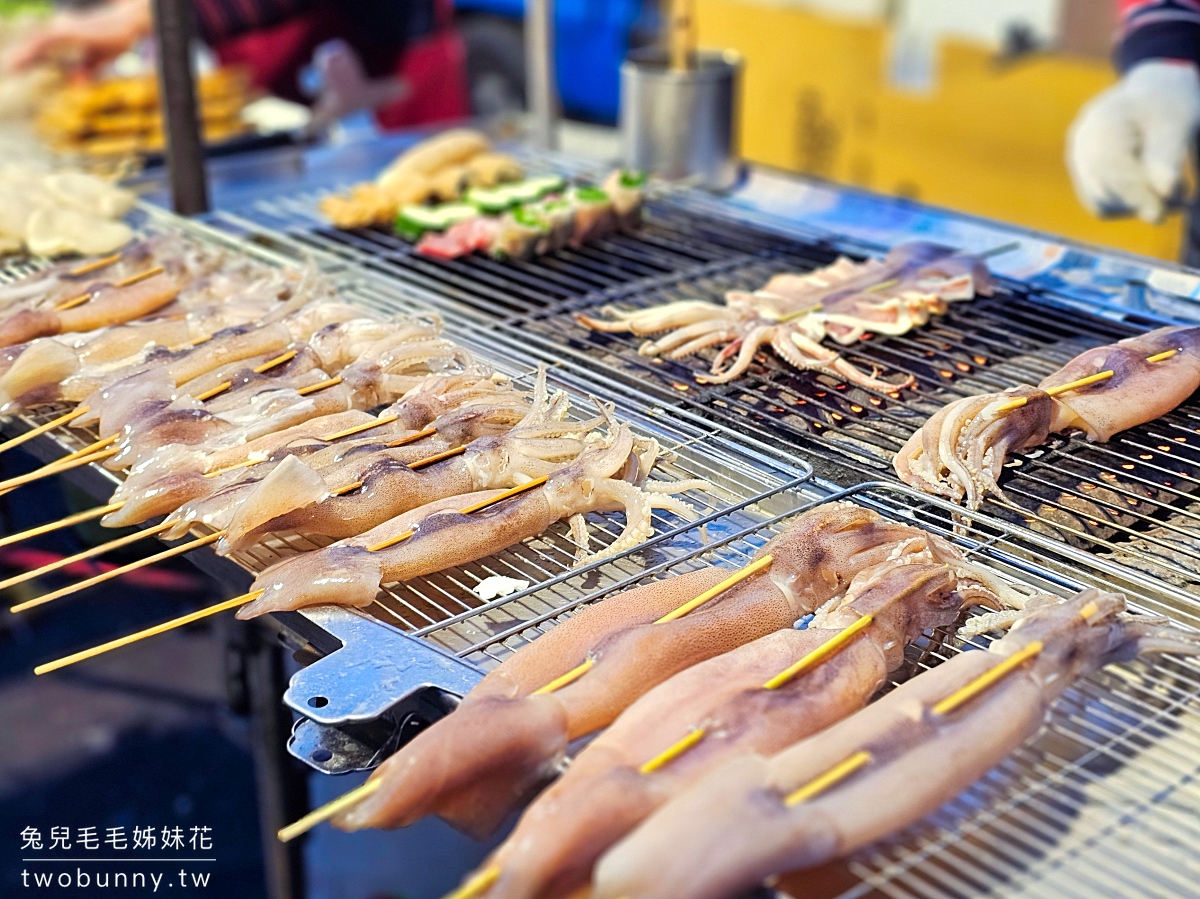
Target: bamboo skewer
x,y
68,521
127,282
95,265
116,572
54,468
246,598
82,556
258,370
43,428
157,629
968,692
1081,382
829,779
329,810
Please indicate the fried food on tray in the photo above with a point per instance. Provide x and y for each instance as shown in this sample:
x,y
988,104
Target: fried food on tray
x,y
122,115
443,167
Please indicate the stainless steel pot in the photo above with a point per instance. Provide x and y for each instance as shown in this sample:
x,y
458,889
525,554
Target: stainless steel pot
x,y
682,123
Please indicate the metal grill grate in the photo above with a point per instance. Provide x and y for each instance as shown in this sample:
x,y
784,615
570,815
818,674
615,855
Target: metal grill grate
x,y
672,240
1131,498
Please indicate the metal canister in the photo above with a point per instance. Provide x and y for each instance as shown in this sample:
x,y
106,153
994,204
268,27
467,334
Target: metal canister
x,y
682,123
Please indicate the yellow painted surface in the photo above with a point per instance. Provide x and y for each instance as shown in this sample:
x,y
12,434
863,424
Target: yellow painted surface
x,y
986,140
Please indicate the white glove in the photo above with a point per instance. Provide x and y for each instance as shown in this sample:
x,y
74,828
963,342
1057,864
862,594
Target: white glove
x,y
1127,147
345,87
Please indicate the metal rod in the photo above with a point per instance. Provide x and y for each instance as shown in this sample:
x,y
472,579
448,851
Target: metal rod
x,y
540,86
177,96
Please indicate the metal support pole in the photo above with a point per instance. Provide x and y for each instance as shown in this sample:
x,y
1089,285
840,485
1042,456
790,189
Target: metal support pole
x,y
177,96
539,67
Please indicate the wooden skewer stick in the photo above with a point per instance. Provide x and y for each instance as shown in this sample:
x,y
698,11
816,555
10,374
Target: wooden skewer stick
x,y
969,691
228,604
95,265
674,751
476,885
43,428
1081,382
711,593
829,779
87,450
258,370
329,810
365,426
116,572
822,653
127,282
54,468
246,598
88,553
68,521
477,507
829,648
313,388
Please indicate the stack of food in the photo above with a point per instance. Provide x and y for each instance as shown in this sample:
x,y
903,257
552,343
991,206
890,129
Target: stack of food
x,y
51,211
121,116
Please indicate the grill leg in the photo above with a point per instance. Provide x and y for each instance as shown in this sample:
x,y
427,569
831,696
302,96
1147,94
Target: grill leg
x,y
281,783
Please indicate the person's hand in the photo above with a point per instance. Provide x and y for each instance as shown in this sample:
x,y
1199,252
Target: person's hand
x,y
90,38
345,87
1127,148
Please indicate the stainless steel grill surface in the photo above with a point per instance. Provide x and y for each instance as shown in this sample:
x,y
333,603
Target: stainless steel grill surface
x,y
1131,498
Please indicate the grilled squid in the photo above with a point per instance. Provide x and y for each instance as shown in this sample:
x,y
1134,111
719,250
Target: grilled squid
x,y
474,784
735,827
723,703
960,451
792,313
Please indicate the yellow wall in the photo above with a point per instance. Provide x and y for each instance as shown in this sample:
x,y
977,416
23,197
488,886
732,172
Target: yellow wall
x,y
985,140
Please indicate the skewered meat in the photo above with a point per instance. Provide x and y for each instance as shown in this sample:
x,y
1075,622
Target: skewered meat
x,y
960,451
736,826
607,791
793,313
629,651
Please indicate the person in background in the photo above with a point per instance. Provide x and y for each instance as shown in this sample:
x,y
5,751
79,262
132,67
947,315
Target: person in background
x,y
1128,148
401,58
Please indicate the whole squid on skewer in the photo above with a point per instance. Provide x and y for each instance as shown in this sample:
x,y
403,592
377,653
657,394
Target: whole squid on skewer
x,y
608,476
219,508
472,403
72,367
741,701
628,649
881,769
108,304
298,498
254,410
960,451
793,313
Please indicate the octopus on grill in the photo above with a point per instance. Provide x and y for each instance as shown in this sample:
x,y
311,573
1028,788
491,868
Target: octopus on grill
x,y
793,313
960,451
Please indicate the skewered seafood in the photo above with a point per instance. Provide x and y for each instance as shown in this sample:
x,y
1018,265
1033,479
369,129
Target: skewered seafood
x,y
734,703
329,504
108,304
628,648
960,451
608,476
793,313
900,758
